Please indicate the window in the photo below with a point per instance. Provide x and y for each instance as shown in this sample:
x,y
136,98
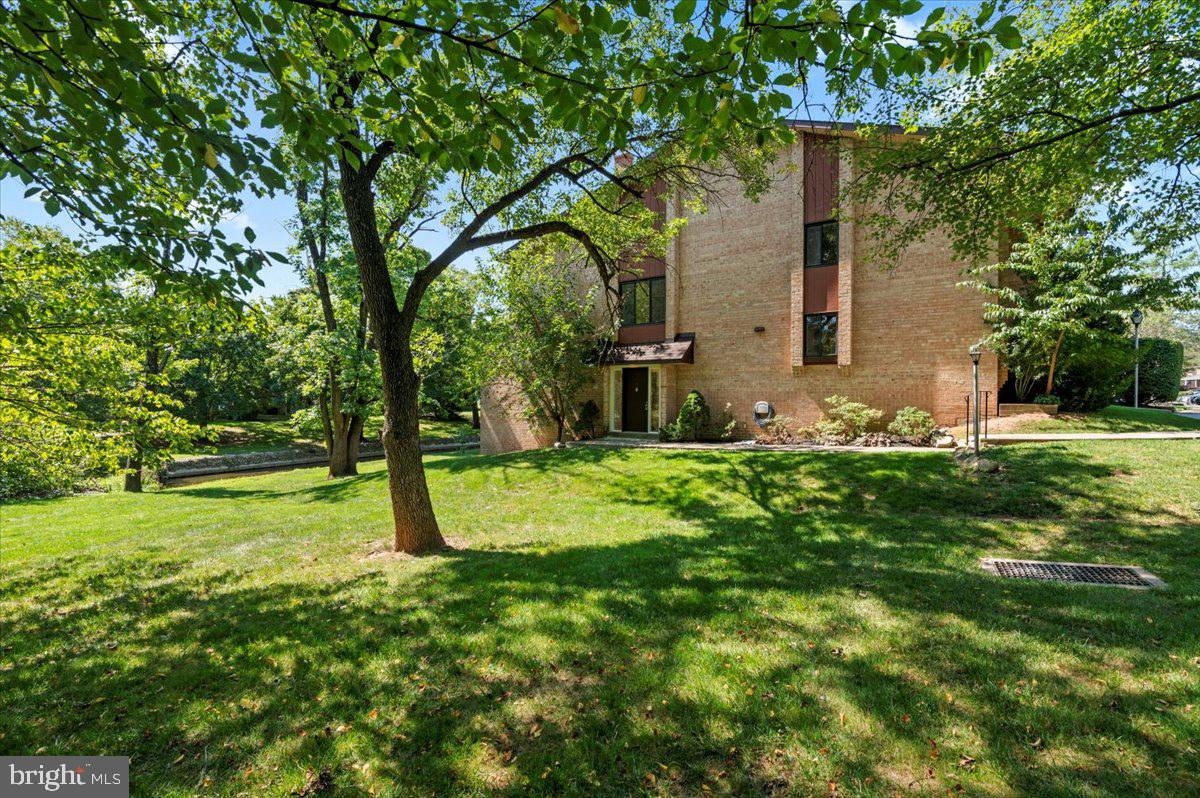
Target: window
x,y
644,301
821,244
820,337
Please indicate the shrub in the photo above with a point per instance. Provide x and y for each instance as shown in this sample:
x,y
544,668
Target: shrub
x,y
307,423
587,417
780,430
695,422
1160,371
720,428
913,424
1096,374
693,416
845,420
1046,399
48,460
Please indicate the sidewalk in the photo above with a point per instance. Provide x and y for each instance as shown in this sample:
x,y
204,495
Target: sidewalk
x,y
746,446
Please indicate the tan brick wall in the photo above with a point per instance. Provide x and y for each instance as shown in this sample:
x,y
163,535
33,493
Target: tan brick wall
x,y
911,326
504,425
735,268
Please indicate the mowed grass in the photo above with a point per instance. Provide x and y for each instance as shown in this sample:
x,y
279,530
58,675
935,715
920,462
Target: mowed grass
x,y
1113,418
622,622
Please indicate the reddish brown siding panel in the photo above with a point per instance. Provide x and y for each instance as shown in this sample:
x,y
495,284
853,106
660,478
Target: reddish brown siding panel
x,y
637,270
820,178
821,289
642,334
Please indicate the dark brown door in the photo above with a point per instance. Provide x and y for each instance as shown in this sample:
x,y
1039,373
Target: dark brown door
x,y
635,385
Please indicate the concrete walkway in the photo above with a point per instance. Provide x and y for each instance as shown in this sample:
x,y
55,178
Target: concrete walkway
x,y
746,446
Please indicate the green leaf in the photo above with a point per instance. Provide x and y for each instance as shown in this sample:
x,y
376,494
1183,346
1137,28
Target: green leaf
x,y
684,10
249,233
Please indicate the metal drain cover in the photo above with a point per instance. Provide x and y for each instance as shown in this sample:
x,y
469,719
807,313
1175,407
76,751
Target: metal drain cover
x,y
1079,573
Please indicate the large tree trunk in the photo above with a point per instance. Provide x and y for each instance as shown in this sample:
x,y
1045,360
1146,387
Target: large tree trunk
x,y
133,473
416,528
345,433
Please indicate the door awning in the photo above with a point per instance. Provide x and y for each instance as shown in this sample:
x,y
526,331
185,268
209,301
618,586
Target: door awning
x,y
681,350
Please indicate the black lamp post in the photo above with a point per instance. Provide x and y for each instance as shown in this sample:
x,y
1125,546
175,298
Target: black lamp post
x,y
1136,317
974,352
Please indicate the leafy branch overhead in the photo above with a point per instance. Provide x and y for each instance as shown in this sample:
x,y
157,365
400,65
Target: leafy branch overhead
x,y
146,120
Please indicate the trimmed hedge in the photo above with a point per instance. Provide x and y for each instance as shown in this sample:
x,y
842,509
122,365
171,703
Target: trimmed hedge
x,y
1160,372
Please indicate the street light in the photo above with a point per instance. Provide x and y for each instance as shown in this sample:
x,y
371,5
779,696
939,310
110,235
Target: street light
x,y
974,352
1136,317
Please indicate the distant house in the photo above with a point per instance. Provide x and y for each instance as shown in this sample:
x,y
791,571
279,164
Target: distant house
x,y
775,301
1190,380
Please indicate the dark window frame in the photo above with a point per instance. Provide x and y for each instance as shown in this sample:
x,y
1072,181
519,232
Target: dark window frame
x,y
819,359
648,283
826,259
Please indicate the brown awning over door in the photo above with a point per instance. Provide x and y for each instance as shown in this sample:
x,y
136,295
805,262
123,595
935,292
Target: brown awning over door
x,y
681,350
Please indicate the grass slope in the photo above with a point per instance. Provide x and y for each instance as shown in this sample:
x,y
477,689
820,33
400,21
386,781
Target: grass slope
x,y
621,622
1113,418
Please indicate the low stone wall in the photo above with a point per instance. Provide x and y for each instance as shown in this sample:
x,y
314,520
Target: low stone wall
x,y
293,457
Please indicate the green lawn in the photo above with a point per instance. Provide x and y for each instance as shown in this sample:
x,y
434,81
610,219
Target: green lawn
x,y
238,437
622,622
1112,419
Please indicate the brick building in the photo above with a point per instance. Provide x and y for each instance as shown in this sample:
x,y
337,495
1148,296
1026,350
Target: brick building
x,y
774,301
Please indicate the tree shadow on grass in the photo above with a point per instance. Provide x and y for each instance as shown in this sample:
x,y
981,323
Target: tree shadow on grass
x,y
814,622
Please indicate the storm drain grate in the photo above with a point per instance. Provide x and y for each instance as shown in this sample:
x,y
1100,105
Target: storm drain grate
x,y
1074,572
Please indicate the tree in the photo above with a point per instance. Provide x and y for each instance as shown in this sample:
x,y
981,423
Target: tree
x,y
154,324
83,350
519,104
346,389
55,361
1101,108
1067,283
449,320
544,339
222,368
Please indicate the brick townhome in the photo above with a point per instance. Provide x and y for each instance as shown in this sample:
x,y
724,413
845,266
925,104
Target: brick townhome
x,y
774,301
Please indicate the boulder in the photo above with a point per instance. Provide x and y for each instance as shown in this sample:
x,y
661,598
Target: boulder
x,y
969,461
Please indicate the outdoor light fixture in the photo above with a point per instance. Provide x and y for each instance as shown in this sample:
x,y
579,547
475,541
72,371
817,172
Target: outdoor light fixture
x,y
1136,317
975,352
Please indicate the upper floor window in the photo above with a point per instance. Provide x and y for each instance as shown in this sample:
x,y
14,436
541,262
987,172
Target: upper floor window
x,y
644,301
821,244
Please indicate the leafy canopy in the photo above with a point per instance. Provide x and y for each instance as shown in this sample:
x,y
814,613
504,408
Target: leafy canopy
x,y
146,118
1101,108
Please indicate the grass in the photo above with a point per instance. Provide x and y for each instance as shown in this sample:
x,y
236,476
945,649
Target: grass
x,y
240,437
621,622
1113,418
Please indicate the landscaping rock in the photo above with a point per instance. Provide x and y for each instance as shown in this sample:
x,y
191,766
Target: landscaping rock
x,y
944,442
969,461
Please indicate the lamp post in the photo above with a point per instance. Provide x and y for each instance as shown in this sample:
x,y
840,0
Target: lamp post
x,y
1136,317
974,352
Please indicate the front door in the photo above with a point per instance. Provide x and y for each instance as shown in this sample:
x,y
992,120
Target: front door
x,y
635,390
